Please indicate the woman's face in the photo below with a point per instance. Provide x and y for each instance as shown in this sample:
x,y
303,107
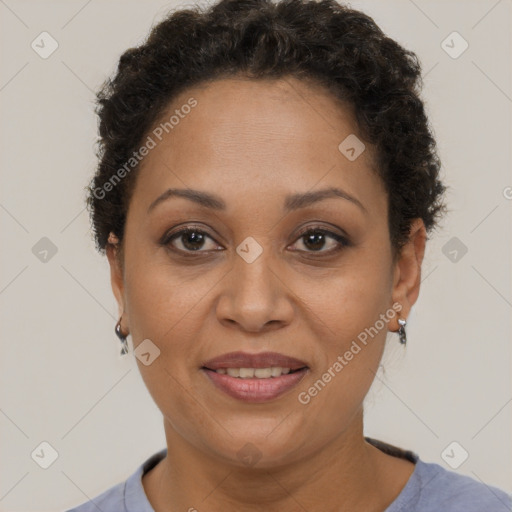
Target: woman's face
x,y
247,279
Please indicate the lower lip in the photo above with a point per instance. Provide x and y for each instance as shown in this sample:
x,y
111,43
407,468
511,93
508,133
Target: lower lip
x,y
255,390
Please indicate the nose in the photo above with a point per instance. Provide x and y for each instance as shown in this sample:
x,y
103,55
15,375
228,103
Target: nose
x,y
254,297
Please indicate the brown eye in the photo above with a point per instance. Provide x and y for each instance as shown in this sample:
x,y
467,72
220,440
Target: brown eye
x,y
315,239
189,239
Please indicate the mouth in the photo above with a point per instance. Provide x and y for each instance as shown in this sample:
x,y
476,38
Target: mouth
x,y
254,378
270,372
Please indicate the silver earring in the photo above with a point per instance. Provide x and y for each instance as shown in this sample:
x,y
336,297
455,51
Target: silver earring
x,y
401,331
122,337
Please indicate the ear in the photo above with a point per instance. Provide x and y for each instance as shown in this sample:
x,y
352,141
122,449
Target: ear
x,y
407,273
116,275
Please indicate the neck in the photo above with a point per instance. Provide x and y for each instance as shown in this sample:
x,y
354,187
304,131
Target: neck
x,y
348,474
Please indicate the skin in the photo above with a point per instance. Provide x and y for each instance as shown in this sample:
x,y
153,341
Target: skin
x,y
252,143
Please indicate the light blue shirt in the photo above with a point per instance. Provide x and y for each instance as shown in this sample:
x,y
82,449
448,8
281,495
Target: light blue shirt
x,y
430,488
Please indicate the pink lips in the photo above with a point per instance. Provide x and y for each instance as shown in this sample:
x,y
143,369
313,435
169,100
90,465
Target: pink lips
x,y
255,390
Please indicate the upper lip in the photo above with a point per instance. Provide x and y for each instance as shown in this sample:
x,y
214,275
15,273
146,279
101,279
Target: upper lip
x,y
259,360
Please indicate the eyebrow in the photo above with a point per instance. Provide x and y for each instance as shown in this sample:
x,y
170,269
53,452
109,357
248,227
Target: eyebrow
x,y
292,202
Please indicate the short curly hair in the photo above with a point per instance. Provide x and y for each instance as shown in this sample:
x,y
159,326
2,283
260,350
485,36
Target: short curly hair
x,y
317,40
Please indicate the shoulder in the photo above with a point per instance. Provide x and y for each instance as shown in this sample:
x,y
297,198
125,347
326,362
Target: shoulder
x,y
110,500
442,489
127,496
432,488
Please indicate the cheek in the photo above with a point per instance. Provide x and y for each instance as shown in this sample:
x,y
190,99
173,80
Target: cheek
x,y
160,295
354,308
352,345
162,307
353,296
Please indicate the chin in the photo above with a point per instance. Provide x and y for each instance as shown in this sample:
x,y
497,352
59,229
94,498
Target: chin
x,y
267,444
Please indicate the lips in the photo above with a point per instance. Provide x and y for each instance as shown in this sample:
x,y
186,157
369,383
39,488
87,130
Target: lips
x,y
255,378
259,360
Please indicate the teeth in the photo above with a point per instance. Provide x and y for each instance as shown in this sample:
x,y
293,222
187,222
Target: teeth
x,y
246,373
276,371
263,373
259,373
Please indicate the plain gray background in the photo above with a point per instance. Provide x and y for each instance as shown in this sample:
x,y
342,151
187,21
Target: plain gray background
x,y
63,381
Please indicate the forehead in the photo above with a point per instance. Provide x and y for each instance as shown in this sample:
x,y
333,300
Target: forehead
x,y
281,134
262,116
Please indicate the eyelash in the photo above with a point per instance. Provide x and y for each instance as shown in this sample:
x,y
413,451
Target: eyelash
x,y
342,241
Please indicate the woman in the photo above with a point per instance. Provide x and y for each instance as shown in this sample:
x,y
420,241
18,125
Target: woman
x,y
266,185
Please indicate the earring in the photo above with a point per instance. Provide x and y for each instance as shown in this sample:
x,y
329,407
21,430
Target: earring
x,y
401,331
122,337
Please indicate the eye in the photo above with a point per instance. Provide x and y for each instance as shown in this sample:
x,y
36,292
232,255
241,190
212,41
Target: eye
x,y
190,238
315,238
